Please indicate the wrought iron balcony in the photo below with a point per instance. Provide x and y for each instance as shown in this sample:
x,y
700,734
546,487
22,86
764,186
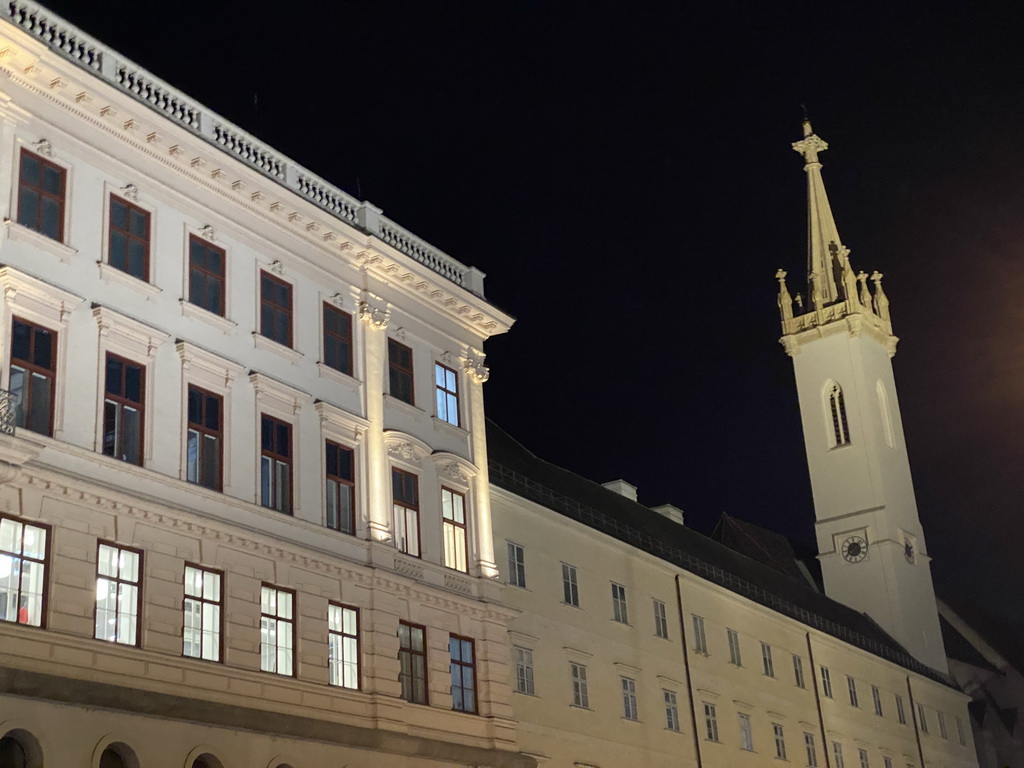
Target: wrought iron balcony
x,y
8,411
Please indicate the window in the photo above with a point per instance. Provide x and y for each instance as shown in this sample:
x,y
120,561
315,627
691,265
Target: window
x,y
837,751
812,752
275,309
671,710
960,736
852,685
405,492
340,486
660,620
446,383
277,630
337,339
826,682
901,715
943,733
798,671
118,572
203,605
780,741
412,659
276,464
453,515
887,761
766,660
863,755
921,719
343,645
570,587
400,372
206,268
23,560
876,699
710,722
619,612
128,247
629,711
33,374
580,691
837,409
41,190
746,733
524,670
463,669
700,640
734,647
204,447
516,565
123,409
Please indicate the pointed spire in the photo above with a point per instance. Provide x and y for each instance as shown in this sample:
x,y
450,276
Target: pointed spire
x,y
821,226
785,302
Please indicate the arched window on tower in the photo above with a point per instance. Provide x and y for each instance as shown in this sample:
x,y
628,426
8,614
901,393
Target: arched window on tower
x,y
837,412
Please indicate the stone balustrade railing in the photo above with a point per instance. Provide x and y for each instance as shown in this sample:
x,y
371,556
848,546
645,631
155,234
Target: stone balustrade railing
x,y
126,76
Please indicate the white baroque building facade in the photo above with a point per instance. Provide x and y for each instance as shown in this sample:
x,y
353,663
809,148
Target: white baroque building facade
x,y
252,514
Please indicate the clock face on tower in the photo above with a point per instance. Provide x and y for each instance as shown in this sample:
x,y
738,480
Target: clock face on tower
x,y
854,549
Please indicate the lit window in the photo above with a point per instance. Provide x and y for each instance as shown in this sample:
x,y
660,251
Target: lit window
x,y
619,612
700,640
400,372
277,630
412,660
734,647
629,710
580,690
203,609
921,719
780,741
123,409
340,487
524,670
204,447
876,699
118,576
33,375
660,620
837,751
206,275
275,309
463,669
852,685
710,722
798,671
826,682
766,660
812,752
516,565
570,588
746,733
671,710
446,384
41,190
23,559
901,715
337,339
942,725
276,464
453,515
837,410
343,645
405,497
863,755
128,247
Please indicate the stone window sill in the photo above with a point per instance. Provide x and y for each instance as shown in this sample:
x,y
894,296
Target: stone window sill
x,y
19,233
116,276
194,311
440,425
269,345
401,405
338,377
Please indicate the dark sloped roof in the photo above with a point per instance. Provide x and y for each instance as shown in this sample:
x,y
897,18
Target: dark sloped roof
x,y
960,648
771,548
519,471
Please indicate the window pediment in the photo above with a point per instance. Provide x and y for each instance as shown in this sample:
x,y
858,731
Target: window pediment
x,y
453,468
36,299
404,446
277,393
347,426
135,338
206,368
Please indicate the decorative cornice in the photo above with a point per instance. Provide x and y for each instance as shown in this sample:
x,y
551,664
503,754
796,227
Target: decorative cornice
x,y
139,338
473,365
404,446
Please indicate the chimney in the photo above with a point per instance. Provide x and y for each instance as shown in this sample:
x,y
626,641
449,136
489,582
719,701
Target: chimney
x,y
672,512
622,488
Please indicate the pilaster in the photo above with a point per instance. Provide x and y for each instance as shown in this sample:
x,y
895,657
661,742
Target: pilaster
x,y
476,374
375,318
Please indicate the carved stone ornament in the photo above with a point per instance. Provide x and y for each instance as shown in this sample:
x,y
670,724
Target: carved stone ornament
x,y
448,359
277,267
130,192
399,335
475,368
376,317
403,450
453,471
44,147
338,300
207,232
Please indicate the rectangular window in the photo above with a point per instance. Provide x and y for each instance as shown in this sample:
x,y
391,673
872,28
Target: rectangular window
x,y
340,480
516,565
660,620
33,375
337,339
887,761
580,691
901,715
619,612
570,586
41,190
446,386
400,372
700,640
960,735
23,561
629,710
852,685
943,733
405,493
343,645
275,309
812,752
463,669
837,751
735,657
766,660
826,682
863,755
205,441
203,609
453,516
876,700
118,579
123,409
206,271
798,671
710,722
524,670
128,247
412,659
276,464
780,741
746,733
277,630
671,710
922,721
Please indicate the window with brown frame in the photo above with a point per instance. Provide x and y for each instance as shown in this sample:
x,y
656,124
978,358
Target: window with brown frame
x,y
276,464
205,440
341,486
203,609
405,495
453,517
128,247
124,409
446,388
400,372
277,630
33,375
463,670
275,309
24,554
337,339
343,645
412,659
118,586
41,190
206,275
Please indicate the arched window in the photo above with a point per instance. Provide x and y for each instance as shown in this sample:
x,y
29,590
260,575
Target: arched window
x,y
118,755
837,411
206,760
19,749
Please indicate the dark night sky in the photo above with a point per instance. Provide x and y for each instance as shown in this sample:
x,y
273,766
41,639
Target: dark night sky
x,y
622,172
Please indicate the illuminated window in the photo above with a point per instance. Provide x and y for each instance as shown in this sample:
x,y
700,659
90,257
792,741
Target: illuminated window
x,y
837,410
277,630
118,577
123,409
128,246
206,270
203,610
405,497
340,487
446,385
275,309
412,659
275,464
204,446
33,375
41,190
400,375
453,518
23,561
343,645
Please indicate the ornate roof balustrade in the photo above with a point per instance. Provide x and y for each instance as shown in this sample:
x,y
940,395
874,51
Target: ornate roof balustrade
x,y
128,77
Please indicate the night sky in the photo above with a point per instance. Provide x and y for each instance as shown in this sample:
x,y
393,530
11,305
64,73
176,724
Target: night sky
x,y
623,174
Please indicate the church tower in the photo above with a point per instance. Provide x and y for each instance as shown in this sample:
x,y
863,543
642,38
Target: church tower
x,y
870,542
